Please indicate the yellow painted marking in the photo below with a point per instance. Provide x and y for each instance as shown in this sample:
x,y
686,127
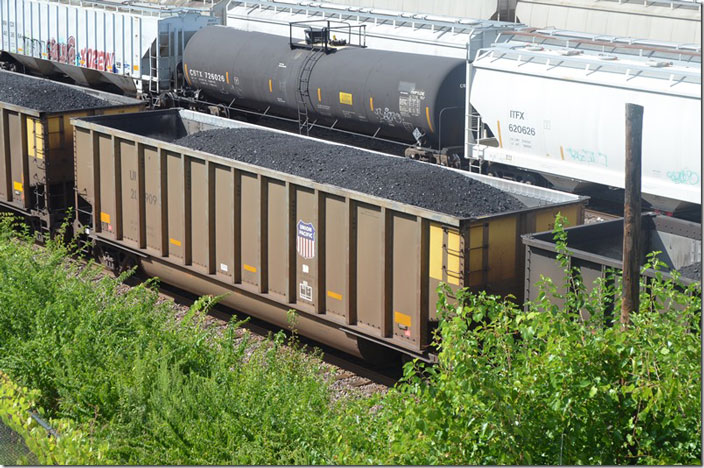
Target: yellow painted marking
x,y
562,153
345,98
185,70
177,243
249,268
371,104
335,295
104,218
320,99
271,89
30,137
402,319
501,143
435,252
453,257
427,116
227,77
18,186
135,68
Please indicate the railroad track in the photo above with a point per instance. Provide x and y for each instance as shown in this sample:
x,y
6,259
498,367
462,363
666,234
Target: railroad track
x,y
355,373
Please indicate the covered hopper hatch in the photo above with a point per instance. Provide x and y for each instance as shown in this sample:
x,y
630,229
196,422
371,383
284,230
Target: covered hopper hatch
x,y
357,252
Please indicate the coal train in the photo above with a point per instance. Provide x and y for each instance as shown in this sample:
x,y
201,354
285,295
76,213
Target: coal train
x,y
355,242
510,116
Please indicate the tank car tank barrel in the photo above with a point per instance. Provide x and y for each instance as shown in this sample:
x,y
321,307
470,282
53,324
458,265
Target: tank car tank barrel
x,y
391,94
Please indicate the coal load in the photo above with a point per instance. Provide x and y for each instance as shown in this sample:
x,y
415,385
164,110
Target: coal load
x,y
693,271
44,95
401,180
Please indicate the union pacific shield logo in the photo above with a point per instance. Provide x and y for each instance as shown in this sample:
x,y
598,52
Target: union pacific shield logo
x,y
305,244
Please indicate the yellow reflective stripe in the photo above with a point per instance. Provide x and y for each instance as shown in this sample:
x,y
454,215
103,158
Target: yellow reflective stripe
x,y
435,252
453,258
319,97
271,89
402,319
249,268
498,125
177,243
335,295
371,104
427,116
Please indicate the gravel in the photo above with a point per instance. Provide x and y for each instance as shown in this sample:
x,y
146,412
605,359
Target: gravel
x,y
403,180
44,95
693,271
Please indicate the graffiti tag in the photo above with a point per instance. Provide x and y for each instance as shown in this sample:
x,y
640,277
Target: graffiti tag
x,y
388,116
593,158
684,176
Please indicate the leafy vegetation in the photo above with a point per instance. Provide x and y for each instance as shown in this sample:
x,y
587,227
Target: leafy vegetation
x,y
540,385
157,392
72,448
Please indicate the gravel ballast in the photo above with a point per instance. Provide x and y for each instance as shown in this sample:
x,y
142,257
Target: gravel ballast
x,y
44,95
402,180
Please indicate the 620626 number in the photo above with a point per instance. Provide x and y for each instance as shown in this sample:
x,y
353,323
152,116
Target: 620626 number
x,y
521,129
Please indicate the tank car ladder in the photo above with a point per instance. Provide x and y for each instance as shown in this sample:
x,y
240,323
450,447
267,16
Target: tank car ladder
x,y
303,94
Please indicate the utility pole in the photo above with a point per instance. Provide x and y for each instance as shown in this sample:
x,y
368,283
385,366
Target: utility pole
x,y
631,213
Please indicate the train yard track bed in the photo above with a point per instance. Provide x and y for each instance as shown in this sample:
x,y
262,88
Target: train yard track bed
x,y
401,180
345,375
44,95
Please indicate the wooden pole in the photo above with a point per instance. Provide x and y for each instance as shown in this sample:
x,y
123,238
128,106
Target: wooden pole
x,y
631,213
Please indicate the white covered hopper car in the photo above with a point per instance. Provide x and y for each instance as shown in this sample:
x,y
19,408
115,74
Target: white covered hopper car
x,y
559,111
129,48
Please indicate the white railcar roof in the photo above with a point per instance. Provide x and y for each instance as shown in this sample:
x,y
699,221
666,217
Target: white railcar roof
x,y
144,7
442,30
671,20
627,71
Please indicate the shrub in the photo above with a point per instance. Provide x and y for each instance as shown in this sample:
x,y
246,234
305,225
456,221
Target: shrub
x,y
512,386
110,359
542,386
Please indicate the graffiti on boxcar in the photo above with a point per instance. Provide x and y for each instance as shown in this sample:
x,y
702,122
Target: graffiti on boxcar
x,y
63,52
67,52
97,59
